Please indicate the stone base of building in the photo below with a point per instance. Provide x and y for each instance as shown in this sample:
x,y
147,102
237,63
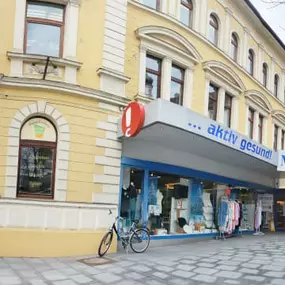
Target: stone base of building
x,y
48,243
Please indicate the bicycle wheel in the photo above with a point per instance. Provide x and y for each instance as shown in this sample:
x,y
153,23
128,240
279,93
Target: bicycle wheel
x,y
105,244
139,241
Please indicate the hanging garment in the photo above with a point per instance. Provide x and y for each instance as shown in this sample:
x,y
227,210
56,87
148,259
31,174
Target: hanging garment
x,y
223,212
258,216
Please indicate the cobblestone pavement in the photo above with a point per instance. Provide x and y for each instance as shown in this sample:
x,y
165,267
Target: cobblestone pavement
x,y
249,260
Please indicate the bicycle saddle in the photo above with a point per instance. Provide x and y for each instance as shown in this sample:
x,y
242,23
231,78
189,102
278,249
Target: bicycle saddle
x,y
136,221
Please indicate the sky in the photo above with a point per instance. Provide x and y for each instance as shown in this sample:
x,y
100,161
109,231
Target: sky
x,y
275,17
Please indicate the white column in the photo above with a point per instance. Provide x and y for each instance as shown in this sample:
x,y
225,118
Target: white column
x,y
206,96
178,3
221,105
196,15
271,76
235,113
171,8
246,120
255,126
279,138
227,36
188,88
71,30
142,75
281,94
259,64
163,6
19,26
203,17
166,78
265,131
244,52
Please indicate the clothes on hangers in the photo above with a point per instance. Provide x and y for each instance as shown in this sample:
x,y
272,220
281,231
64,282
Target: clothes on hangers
x,y
228,215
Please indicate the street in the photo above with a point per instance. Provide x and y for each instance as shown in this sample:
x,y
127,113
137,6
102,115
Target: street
x,y
244,260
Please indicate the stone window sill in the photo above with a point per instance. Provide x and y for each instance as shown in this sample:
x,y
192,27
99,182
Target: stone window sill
x,y
29,65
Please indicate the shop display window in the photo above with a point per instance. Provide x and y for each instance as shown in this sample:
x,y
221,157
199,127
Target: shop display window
x,y
131,196
168,203
173,205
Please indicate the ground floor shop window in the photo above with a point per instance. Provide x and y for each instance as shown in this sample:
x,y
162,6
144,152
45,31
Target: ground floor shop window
x,y
132,196
37,156
171,204
168,203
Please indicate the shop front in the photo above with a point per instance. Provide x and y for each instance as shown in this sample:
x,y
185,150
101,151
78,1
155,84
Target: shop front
x,y
179,170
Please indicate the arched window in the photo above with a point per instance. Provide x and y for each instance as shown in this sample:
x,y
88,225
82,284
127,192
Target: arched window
x,y
186,12
234,47
37,157
276,84
213,29
264,74
250,66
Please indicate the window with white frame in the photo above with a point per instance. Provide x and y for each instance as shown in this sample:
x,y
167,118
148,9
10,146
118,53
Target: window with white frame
x,y
186,12
264,74
234,47
275,137
213,29
213,102
177,85
166,71
228,110
260,128
250,63
250,120
44,29
258,111
153,76
276,85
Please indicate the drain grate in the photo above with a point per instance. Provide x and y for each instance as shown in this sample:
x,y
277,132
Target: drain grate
x,y
95,261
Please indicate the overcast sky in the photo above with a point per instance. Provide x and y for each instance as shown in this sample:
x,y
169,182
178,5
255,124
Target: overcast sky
x,y
275,17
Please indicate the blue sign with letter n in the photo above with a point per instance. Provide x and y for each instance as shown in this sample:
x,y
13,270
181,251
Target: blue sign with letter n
x,y
281,161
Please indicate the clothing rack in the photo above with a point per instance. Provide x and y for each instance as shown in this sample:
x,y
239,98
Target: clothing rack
x,y
228,209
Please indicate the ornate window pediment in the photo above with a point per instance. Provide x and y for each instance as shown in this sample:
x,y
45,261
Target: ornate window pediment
x,y
259,101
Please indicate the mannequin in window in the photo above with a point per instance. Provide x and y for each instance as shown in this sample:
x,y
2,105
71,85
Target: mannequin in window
x,y
133,193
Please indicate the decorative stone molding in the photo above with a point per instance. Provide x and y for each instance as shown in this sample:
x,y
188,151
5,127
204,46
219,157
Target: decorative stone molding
x,y
112,82
258,101
107,100
40,108
51,215
111,161
225,74
145,33
37,63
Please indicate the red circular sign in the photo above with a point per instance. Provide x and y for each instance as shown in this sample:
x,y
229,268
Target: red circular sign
x,y
133,119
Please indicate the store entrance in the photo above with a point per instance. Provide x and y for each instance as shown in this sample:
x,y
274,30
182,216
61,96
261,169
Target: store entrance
x,y
280,209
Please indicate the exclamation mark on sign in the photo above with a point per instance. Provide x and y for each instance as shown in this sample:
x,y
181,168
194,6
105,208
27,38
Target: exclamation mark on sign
x,y
128,121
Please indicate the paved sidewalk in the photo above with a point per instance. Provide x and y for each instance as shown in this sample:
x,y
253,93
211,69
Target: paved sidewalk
x,y
246,261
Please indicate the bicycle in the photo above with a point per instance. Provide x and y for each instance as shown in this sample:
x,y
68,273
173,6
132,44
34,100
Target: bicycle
x,y
133,237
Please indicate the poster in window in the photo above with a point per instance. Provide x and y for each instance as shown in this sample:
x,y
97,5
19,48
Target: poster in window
x,y
36,170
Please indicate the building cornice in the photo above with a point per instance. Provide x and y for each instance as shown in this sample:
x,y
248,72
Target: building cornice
x,y
71,89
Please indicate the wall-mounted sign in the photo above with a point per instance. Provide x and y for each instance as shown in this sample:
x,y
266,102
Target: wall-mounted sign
x,y
133,119
38,129
281,160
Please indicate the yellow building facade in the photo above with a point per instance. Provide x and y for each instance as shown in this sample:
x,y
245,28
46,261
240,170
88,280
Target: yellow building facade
x,y
68,70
